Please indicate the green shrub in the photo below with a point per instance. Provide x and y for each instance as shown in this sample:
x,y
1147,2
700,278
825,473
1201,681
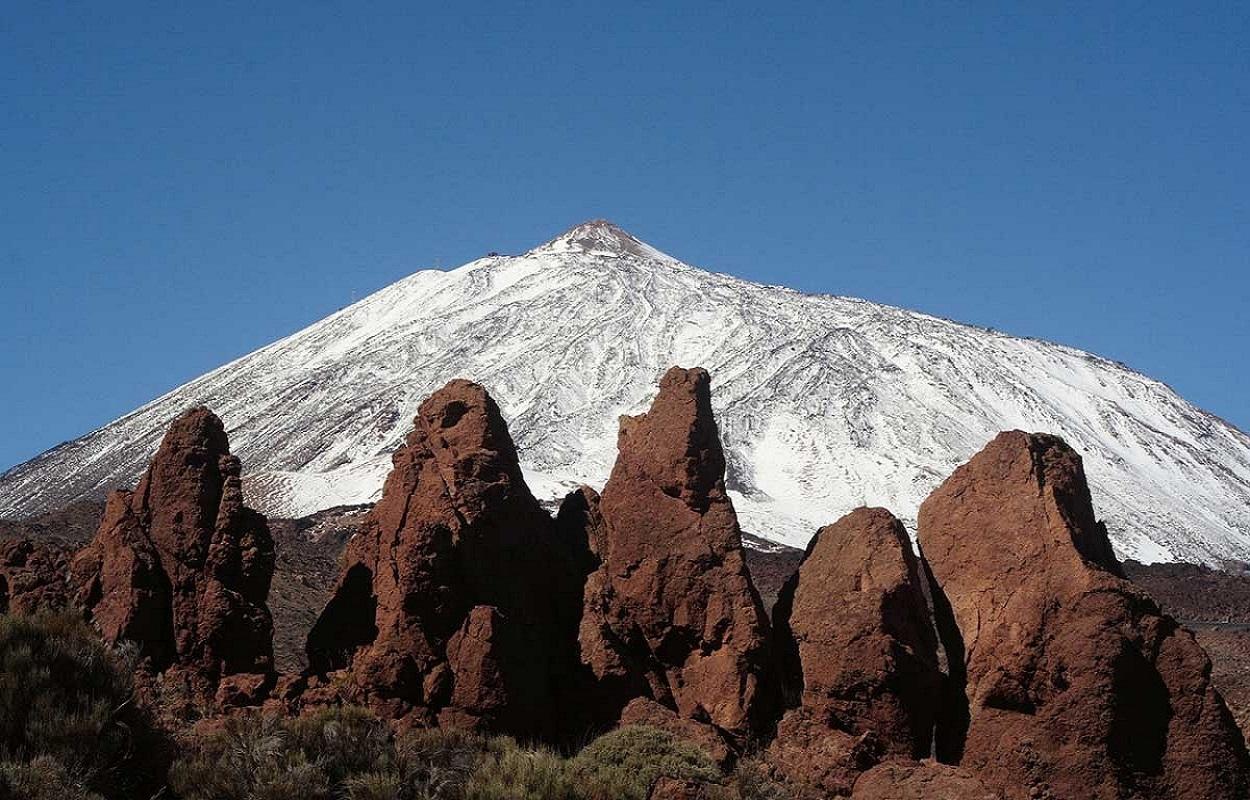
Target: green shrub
x,y
67,712
326,753
342,741
43,778
248,758
750,780
517,774
348,753
438,764
622,764
374,786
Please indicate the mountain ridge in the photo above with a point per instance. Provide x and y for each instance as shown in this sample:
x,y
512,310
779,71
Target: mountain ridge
x,y
821,396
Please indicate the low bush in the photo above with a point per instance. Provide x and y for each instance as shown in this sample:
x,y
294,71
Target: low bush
x,y
622,764
42,778
520,774
323,754
349,753
751,780
69,725
439,764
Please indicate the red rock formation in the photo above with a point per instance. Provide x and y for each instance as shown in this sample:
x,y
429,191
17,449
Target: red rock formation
x,y
182,568
450,604
671,613
1076,686
854,627
902,780
33,576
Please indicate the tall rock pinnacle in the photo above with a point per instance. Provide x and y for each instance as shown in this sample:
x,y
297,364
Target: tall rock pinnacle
x,y
1075,685
182,568
854,629
671,613
449,607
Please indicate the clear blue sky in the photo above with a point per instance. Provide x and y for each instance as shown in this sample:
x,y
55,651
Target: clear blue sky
x,y
179,186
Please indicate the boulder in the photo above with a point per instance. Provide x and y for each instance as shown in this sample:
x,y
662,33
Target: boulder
x,y
1073,683
904,780
456,594
181,567
859,655
34,576
670,612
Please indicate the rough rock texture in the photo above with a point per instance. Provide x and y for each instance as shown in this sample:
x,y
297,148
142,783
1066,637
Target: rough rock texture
x,y
666,788
33,576
921,781
671,613
1075,685
860,655
455,595
182,568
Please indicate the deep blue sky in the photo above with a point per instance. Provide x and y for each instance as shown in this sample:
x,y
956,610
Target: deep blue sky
x,y
179,186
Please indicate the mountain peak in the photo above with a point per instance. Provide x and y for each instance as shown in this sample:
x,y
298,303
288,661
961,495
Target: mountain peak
x,y
600,237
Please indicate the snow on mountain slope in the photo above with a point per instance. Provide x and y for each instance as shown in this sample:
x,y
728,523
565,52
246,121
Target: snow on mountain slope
x,y
824,403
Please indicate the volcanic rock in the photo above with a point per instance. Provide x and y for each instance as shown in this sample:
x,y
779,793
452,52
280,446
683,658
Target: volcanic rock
x,y
33,576
182,568
1075,685
859,652
901,780
670,613
450,606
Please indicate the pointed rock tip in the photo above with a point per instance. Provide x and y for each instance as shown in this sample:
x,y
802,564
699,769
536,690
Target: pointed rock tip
x,y
199,424
463,400
458,393
698,378
1030,462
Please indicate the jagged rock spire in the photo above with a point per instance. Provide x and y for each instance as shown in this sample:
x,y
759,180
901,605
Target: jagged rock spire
x,y
1071,681
182,568
450,606
671,612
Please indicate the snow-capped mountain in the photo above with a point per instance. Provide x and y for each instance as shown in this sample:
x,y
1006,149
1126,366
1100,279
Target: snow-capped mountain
x,y
824,403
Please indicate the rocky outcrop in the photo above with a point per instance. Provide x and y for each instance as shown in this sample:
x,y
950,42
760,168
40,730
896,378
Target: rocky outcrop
x,y
859,652
182,568
670,613
1074,685
902,780
33,576
456,604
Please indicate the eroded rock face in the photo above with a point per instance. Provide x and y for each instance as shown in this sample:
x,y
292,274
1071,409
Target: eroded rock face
x,y
452,603
1075,685
902,780
33,576
856,637
181,567
670,613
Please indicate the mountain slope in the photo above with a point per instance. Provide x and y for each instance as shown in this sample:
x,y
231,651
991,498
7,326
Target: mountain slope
x,y
824,403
